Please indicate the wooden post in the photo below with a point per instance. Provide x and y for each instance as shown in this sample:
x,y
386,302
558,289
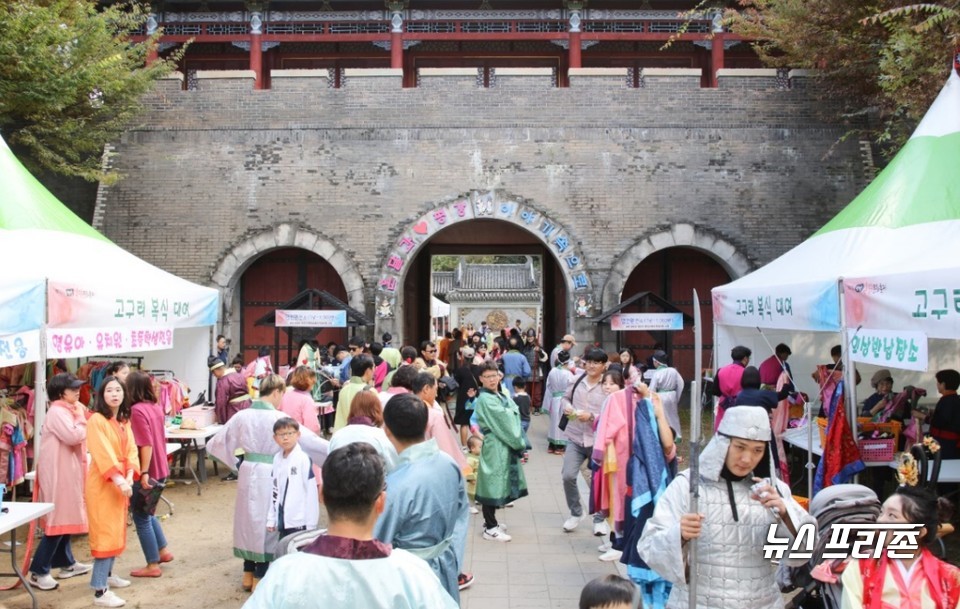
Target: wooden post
x,y
716,58
396,50
574,51
256,60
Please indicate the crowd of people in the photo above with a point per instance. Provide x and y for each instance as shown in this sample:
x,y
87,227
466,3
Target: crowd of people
x,y
399,475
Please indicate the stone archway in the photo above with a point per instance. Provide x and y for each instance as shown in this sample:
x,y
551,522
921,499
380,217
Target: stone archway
x,y
411,238
239,258
725,253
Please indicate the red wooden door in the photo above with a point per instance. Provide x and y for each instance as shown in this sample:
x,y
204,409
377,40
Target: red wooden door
x,y
673,274
271,281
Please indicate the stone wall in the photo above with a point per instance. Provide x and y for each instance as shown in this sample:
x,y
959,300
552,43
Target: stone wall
x,y
748,166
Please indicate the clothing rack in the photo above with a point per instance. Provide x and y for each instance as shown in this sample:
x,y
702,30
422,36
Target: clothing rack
x,y
135,359
164,374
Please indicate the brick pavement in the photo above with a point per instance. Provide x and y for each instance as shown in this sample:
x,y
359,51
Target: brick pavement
x,y
542,567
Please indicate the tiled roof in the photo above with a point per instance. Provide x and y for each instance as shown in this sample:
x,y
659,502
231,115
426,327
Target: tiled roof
x,y
531,296
487,277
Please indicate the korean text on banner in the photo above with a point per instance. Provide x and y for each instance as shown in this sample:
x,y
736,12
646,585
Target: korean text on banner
x,y
19,348
810,306
79,342
626,322
888,348
927,302
311,319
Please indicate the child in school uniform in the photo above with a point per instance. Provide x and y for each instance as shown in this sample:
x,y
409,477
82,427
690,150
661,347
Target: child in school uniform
x,y
294,503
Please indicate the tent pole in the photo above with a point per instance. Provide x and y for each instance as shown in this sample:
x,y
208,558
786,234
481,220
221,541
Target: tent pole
x,y
40,382
849,374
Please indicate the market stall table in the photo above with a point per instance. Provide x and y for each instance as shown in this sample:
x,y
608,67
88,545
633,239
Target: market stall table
x,y
798,437
16,514
194,441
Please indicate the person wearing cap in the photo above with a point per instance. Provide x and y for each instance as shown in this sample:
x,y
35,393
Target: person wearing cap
x,y
567,343
61,473
738,503
668,384
772,367
231,395
882,383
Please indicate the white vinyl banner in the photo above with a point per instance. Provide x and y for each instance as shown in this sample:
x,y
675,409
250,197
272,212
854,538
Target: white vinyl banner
x,y
19,348
79,342
927,302
901,349
811,306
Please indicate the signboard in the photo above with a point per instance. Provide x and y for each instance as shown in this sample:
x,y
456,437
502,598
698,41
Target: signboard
x,y
901,349
311,319
20,348
626,322
78,342
927,302
811,306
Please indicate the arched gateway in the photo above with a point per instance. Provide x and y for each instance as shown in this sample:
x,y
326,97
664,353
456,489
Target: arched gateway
x,y
480,223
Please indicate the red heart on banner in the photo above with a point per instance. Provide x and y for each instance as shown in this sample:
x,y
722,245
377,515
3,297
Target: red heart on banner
x,y
420,228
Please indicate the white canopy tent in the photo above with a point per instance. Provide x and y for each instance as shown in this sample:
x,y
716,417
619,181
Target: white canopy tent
x,y
70,292
884,268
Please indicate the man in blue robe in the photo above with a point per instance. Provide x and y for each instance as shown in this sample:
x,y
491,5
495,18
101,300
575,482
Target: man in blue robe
x,y
427,509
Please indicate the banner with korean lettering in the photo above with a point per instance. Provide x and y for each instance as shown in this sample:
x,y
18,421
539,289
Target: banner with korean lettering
x,y
924,301
809,306
19,348
900,349
627,322
310,319
79,342
92,305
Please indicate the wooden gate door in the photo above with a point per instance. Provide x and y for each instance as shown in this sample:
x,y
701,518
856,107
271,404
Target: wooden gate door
x,y
673,273
271,281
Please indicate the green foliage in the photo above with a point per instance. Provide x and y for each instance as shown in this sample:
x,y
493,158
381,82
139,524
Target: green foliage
x,y
880,59
71,80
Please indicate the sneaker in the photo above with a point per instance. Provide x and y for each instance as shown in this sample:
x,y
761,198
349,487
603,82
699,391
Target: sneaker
x,y
77,568
108,599
572,523
115,581
231,477
601,529
465,580
604,547
610,555
474,510
495,534
43,582
509,504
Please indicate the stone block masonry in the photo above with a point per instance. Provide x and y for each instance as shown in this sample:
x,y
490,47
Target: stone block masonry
x,y
747,164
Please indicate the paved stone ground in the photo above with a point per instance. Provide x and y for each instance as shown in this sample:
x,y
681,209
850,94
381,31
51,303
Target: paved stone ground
x,y
543,567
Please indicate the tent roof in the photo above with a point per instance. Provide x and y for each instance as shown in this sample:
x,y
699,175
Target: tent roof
x,y
904,221
26,203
